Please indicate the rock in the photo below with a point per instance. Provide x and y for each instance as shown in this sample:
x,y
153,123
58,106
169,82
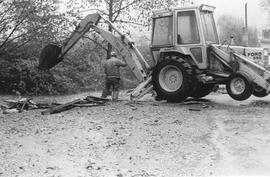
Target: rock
x,y
178,122
51,168
98,127
119,175
134,108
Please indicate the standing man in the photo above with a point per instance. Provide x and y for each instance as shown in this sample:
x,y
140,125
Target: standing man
x,y
112,79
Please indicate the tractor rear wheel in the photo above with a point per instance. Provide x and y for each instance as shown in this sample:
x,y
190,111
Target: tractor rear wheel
x,y
201,90
239,86
172,80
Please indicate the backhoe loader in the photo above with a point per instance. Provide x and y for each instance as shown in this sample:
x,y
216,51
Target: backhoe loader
x,y
189,61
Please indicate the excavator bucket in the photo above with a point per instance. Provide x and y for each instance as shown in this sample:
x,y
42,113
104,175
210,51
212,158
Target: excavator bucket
x,y
49,57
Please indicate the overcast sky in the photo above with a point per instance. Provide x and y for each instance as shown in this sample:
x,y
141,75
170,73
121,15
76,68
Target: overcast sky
x,y
256,15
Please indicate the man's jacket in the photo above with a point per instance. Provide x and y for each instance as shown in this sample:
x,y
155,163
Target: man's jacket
x,y
111,67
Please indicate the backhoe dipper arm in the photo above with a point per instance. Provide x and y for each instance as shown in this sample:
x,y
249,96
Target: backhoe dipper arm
x,y
52,54
80,30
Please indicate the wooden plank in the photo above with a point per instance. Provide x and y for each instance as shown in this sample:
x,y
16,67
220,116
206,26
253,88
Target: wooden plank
x,y
25,102
88,105
90,100
60,108
97,98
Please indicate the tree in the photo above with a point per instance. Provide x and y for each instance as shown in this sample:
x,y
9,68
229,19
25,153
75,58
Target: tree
x,y
230,26
24,21
25,26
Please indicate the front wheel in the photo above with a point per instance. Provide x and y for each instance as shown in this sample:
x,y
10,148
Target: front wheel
x,y
259,91
172,80
239,86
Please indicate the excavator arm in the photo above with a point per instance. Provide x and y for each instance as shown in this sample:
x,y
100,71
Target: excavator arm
x,y
53,54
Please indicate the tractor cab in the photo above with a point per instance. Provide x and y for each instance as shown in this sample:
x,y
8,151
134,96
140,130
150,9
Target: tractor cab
x,y
186,31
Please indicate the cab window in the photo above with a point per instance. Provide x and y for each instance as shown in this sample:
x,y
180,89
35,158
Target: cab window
x,y
209,28
162,31
187,29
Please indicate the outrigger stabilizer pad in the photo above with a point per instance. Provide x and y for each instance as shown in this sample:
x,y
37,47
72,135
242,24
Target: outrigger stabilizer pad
x,y
49,57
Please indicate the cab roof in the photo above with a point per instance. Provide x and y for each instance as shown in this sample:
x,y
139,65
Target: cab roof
x,y
202,7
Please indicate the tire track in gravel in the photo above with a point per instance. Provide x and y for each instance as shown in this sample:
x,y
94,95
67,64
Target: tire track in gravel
x,y
225,162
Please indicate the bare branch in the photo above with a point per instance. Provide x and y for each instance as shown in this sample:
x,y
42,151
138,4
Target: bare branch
x,y
96,43
130,22
101,11
4,12
4,27
6,22
23,43
3,20
13,30
118,11
130,4
21,35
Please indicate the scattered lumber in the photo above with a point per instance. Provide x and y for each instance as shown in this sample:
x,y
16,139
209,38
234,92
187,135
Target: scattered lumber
x,y
88,105
89,101
96,99
194,101
18,105
27,103
60,108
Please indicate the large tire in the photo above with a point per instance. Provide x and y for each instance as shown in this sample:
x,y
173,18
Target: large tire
x,y
201,90
259,91
239,86
172,80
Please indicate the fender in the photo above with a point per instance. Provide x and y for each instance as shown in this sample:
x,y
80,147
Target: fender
x,y
183,53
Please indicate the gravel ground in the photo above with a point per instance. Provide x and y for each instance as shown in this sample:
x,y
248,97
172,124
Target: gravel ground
x,y
220,137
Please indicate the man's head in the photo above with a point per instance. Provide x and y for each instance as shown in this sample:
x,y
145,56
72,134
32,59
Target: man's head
x,y
113,54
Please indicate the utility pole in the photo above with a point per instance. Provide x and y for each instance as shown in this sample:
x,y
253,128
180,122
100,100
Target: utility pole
x,y
246,27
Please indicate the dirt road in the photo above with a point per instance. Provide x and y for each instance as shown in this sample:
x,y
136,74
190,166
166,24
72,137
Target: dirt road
x,y
216,138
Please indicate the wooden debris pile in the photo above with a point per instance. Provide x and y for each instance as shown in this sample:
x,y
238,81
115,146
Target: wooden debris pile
x,y
89,101
20,105
197,104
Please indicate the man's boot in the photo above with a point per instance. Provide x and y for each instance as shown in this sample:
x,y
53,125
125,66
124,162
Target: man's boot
x,y
115,95
104,93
